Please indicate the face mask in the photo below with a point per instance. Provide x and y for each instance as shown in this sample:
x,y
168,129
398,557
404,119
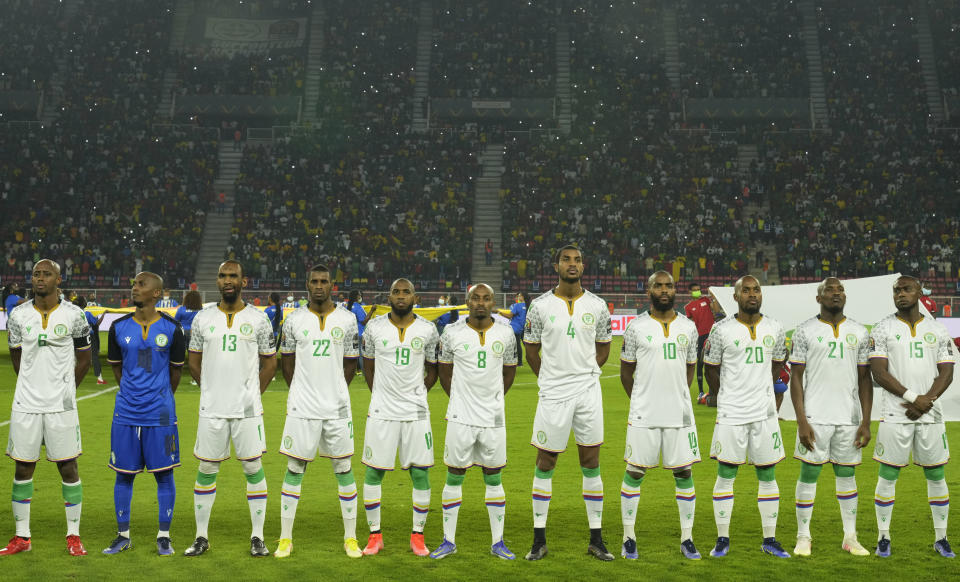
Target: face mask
x,y
441,301
927,292
696,294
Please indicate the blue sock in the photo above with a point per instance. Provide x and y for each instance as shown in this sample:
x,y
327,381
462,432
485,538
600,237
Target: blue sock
x,y
122,494
166,496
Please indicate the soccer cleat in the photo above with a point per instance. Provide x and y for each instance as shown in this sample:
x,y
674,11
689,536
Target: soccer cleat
x,y
374,544
772,546
258,549
689,550
702,399
352,547
17,544
942,546
598,550
284,548
417,545
501,551
75,546
883,548
850,544
723,546
101,381
443,550
164,547
803,546
537,552
629,549
198,548
120,544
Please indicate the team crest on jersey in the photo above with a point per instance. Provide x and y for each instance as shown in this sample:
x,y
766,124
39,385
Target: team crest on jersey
x,y
629,452
337,333
367,453
588,319
930,338
246,329
417,343
60,330
160,340
682,340
768,341
851,339
497,347
541,437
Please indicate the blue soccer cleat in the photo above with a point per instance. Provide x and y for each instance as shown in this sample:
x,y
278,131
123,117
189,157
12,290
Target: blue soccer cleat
x,y
883,548
629,549
120,544
689,550
720,550
164,547
501,551
443,550
772,546
942,546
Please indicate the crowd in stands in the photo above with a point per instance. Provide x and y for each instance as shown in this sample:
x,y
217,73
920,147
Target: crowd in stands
x,y
33,37
945,25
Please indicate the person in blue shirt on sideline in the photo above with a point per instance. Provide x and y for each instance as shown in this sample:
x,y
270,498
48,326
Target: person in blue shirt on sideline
x,y
274,314
192,304
94,323
448,317
355,305
166,302
147,351
518,318
13,296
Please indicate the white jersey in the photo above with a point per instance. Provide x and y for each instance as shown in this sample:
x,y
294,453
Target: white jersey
x,y
47,382
745,355
399,355
231,345
830,356
662,352
320,343
478,358
912,354
567,332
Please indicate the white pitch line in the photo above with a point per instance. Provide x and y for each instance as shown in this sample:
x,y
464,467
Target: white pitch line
x,y
98,393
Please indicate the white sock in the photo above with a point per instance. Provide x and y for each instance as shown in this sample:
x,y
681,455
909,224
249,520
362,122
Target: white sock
x,y
371,505
848,499
629,502
257,502
687,506
805,495
496,501
203,498
289,499
542,492
22,498
883,499
421,505
939,498
73,510
451,498
348,509
768,501
593,500
723,505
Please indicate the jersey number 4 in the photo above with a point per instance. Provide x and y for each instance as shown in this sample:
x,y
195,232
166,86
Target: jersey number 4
x,y
570,331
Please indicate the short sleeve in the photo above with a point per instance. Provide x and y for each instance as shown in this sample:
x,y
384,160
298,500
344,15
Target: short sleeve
x,y
430,349
351,339
604,326
628,351
713,349
288,338
265,341
14,333
510,351
114,352
878,342
369,342
692,338
81,331
534,325
178,347
799,353
446,347
780,345
863,349
945,349
196,335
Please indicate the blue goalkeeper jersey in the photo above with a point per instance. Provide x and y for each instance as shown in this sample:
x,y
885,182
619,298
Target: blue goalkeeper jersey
x,y
146,350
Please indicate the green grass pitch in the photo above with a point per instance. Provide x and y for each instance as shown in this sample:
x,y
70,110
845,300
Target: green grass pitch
x,y
317,552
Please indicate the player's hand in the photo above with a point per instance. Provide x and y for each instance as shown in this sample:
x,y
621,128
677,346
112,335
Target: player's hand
x,y
912,412
806,435
863,435
923,403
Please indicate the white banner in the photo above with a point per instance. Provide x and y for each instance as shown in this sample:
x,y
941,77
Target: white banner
x,y
247,35
869,300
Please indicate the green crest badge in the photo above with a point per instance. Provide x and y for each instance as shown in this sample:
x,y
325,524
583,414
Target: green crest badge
x,y
498,347
879,449
60,330
768,341
629,452
851,339
717,447
161,340
588,319
336,333
367,453
287,442
930,338
246,329
682,340
417,343
801,449
541,437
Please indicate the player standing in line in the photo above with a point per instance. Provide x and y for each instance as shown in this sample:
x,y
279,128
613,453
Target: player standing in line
x,y
701,313
167,302
49,343
233,358
832,395
399,348
657,363
478,359
146,350
744,355
319,358
911,358
572,326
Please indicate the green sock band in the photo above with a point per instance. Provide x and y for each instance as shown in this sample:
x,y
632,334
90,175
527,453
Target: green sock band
x,y
630,480
373,476
684,482
206,479
843,471
344,479
420,477
809,473
492,480
292,478
455,480
256,477
595,472
22,491
889,472
73,493
766,473
543,474
727,471
934,473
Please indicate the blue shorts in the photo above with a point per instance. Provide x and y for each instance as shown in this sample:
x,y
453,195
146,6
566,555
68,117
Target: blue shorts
x,y
134,447
779,387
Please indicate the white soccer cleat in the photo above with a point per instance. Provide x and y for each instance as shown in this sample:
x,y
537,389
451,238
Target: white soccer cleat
x,y
850,544
803,546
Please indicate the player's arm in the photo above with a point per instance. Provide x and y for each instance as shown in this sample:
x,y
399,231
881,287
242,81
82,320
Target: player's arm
x,y
194,362
445,375
431,378
114,354
369,367
532,351
627,371
776,366
865,391
15,354
288,362
712,358
268,369
349,369
509,373
84,357
711,372
178,355
924,402
691,372
603,352
804,430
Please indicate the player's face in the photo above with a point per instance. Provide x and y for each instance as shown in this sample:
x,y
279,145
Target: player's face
x,y
46,278
833,298
480,302
401,298
662,293
570,266
319,286
750,297
906,294
145,290
230,282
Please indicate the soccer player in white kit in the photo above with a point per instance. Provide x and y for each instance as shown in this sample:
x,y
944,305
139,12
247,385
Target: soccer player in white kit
x,y
567,340
744,355
49,341
320,349
400,365
657,364
832,394
478,359
233,358
911,358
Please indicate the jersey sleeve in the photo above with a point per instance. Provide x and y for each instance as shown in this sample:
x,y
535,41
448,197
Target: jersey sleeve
x,y
510,351
692,338
604,326
799,353
178,347
288,338
369,342
351,339
713,349
878,342
780,345
534,326
81,331
430,348
446,347
863,348
628,351
265,341
14,332
945,348
196,335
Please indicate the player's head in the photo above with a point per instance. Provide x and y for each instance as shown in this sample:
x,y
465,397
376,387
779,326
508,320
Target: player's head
x,y
193,301
568,262
166,294
906,292
695,291
480,300
748,295
319,284
661,291
230,280
831,295
355,297
46,278
146,289
80,301
402,297
274,298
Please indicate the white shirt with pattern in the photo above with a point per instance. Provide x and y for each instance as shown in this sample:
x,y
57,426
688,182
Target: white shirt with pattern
x,y
399,356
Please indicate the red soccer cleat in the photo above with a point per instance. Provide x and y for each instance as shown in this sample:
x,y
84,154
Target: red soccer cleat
x,y
75,546
417,544
374,544
17,544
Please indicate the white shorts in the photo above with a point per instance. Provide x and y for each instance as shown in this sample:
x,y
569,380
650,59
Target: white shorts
x,y
214,436
761,442
927,442
555,418
306,438
383,440
679,447
466,446
833,444
59,432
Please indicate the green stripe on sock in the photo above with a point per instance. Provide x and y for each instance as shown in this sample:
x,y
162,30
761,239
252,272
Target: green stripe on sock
x,y
727,471
595,472
629,480
256,477
206,478
420,477
454,479
889,472
934,473
843,470
809,473
543,474
292,478
23,490
684,482
344,479
373,476
72,492
492,480
766,473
